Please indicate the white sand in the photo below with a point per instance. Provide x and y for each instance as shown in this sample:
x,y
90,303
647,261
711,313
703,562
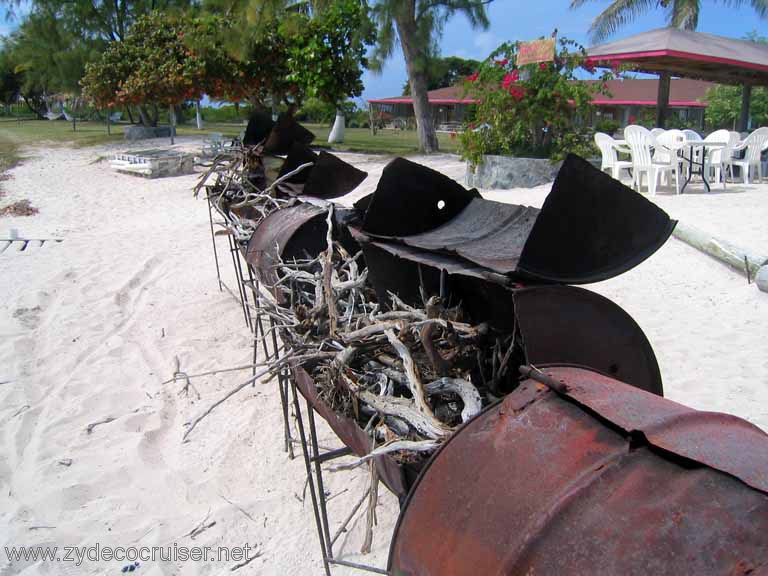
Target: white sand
x,y
89,329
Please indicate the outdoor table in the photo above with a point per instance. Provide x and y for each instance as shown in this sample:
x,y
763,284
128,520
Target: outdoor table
x,y
704,145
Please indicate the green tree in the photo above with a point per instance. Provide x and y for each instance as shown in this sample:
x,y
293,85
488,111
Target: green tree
x,y
417,25
99,19
445,71
150,67
724,107
683,14
724,102
326,54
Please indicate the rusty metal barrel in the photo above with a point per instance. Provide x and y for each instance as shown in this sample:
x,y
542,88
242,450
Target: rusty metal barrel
x,y
576,473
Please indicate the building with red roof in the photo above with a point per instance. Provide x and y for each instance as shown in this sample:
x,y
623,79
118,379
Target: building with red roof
x,y
629,100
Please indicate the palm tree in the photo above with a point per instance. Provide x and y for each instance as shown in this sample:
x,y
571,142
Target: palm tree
x,y
683,14
418,24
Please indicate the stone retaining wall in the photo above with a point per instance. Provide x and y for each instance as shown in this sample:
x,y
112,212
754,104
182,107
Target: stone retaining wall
x,y
504,172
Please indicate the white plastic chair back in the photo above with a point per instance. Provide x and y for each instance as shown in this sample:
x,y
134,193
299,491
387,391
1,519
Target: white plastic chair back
x,y
639,140
716,155
656,132
668,145
734,138
692,135
755,144
608,152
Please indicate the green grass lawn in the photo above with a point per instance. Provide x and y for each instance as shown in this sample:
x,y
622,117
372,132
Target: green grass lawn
x,y
14,134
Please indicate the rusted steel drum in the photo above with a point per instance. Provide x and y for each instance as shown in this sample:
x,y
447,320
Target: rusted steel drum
x,y
396,477
295,232
576,473
591,227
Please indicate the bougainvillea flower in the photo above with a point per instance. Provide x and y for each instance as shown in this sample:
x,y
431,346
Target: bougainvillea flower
x,y
615,65
632,119
543,66
502,62
517,93
473,77
509,79
453,135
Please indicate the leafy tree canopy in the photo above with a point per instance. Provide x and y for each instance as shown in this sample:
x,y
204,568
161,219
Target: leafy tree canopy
x,y
445,71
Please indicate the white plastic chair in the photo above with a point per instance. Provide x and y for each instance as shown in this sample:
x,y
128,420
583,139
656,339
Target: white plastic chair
x,y
610,161
657,132
754,144
720,159
669,147
640,141
691,135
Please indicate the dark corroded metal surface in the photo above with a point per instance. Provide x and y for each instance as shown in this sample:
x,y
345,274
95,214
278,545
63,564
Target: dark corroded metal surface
x,y
591,227
540,484
328,177
490,234
411,199
298,231
398,479
569,325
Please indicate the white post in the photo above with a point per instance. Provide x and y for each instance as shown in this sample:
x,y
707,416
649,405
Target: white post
x,y
172,116
337,132
198,115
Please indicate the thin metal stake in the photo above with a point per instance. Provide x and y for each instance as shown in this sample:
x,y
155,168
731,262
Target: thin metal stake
x,y
213,241
308,466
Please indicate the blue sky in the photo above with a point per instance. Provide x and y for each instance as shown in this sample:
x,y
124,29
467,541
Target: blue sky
x,y
529,19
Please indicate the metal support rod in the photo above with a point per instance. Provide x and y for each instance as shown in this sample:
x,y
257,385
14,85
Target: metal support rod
x,y
213,242
232,249
319,474
310,481
282,385
332,455
358,566
241,277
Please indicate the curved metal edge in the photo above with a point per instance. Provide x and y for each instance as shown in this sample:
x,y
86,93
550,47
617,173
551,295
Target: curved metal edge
x,y
392,474
579,219
436,454
628,356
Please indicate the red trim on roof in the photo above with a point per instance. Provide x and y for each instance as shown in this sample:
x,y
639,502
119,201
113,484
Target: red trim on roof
x,y
676,103
431,101
677,54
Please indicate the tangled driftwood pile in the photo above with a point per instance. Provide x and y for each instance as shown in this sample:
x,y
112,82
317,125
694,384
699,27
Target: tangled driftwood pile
x,y
408,374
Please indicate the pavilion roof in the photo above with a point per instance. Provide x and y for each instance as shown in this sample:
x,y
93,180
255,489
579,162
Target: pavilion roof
x,y
688,54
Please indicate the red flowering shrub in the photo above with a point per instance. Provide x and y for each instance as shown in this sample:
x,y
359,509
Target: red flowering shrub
x,y
533,110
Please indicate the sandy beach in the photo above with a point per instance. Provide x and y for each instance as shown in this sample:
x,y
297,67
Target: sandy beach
x,y
90,329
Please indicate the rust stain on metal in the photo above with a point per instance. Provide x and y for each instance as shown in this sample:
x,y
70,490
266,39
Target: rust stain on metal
x,y
560,483
278,236
394,475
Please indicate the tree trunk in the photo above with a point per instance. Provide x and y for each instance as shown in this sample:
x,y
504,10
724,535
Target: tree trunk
x,y
36,111
662,100
130,115
172,120
337,132
198,115
417,78
155,114
746,95
144,116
